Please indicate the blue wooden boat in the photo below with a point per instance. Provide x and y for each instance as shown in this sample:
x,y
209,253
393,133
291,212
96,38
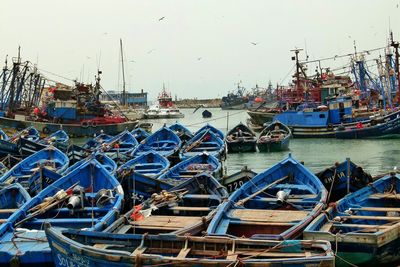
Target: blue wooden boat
x,y
343,178
3,135
184,209
163,141
202,162
234,181
275,137
184,133
12,197
88,197
276,204
375,128
241,139
11,146
97,141
363,227
150,164
76,153
58,139
49,157
212,129
205,141
120,147
140,134
85,248
103,159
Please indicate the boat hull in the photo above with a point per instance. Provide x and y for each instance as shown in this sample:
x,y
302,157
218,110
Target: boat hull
x,y
274,146
73,130
162,116
241,147
260,117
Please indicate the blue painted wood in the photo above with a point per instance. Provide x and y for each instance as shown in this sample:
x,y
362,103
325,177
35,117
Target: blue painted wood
x,y
29,246
49,157
77,248
364,224
184,133
256,211
212,129
150,163
202,162
140,134
163,141
275,137
204,141
103,159
12,197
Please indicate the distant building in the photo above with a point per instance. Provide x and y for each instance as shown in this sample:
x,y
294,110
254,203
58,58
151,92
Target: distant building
x,y
132,99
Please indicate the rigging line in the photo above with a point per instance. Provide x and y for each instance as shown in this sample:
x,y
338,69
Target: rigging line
x,y
341,56
218,118
290,71
55,74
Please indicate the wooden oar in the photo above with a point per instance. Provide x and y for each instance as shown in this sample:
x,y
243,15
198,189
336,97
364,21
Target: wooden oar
x,y
190,147
242,201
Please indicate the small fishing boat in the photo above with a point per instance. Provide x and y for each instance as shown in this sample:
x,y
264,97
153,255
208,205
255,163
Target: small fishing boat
x,y
376,128
103,159
76,153
234,181
140,134
150,164
206,114
276,204
202,162
163,141
184,133
49,157
241,139
80,247
88,197
343,178
12,197
275,137
11,146
58,139
184,209
119,147
363,227
204,141
3,135
212,129
97,141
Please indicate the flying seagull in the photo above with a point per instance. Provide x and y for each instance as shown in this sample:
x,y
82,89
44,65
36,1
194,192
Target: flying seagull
x,y
148,52
254,43
199,58
160,19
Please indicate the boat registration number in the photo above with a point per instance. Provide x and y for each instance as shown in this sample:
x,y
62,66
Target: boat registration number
x,y
74,261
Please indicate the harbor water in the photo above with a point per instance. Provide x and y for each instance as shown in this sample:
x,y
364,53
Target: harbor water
x,y
376,156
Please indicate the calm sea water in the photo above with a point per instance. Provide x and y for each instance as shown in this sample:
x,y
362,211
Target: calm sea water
x,y
376,156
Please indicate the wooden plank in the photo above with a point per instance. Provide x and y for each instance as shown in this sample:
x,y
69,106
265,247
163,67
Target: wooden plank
x,y
183,253
184,208
232,256
376,209
366,226
159,221
386,196
8,210
138,251
379,218
326,227
269,215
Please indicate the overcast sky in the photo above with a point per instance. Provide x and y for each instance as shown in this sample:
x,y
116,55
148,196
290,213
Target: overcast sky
x,y
201,48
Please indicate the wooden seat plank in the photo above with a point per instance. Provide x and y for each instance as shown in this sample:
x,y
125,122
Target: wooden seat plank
x,y
269,215
167,221
376,209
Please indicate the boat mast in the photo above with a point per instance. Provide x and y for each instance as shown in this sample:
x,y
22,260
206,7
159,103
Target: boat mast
x,y
396,49
123,75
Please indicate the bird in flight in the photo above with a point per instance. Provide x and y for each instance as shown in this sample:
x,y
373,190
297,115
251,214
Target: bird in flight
x,y
199,58
148,52
254,43
160,19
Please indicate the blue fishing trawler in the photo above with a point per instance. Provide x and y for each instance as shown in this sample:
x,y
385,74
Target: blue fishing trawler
x,y
202,162
88,197
276,204
363,227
